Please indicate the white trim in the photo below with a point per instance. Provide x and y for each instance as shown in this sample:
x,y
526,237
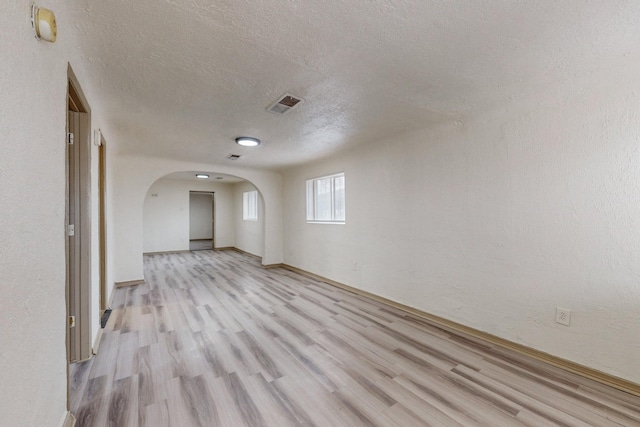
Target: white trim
x,y
309,221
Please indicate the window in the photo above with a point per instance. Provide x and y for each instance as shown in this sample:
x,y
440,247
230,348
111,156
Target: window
x,y
250,205
325,199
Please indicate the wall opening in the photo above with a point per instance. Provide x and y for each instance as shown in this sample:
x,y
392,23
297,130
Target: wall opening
x,y
201,220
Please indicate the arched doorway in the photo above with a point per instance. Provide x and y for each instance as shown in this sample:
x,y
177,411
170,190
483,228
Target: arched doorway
x,y
168,219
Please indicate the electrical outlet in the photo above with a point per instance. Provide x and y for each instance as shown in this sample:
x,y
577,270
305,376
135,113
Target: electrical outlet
x,y
354,266
563,316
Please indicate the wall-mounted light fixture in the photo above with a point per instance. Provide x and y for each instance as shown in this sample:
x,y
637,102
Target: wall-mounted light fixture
x,y
202,176
247,141
44,24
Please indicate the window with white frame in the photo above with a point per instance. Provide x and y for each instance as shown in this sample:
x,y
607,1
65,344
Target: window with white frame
x,y
250,205
325,199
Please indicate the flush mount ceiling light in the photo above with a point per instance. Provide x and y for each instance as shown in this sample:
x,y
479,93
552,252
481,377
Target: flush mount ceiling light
x,y
202,176
247,141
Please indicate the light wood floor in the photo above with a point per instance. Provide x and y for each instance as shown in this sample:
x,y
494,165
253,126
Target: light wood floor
x,y
213,339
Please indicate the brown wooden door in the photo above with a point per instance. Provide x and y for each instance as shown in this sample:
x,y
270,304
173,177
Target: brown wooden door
x,y
73,233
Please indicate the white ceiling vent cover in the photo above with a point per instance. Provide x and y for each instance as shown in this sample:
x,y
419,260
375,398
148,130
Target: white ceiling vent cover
x,y
285,103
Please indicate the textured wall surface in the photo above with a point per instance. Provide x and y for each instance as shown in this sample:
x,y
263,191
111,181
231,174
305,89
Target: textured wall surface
x,y
249,234
32,205
494,222
166,215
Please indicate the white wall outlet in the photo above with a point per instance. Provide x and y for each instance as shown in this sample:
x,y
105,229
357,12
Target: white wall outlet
x,y
354,266
563,316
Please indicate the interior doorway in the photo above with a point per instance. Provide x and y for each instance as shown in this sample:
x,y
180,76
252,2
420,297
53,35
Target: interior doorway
x,y
78,214
201,220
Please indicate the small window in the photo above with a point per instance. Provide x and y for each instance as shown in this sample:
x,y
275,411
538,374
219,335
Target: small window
x,y
325,199
250,205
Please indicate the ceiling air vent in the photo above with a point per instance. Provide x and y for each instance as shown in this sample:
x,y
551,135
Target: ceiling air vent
x,y
233,156
286,103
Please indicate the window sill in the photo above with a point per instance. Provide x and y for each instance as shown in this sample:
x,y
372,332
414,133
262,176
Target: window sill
x,y
327,222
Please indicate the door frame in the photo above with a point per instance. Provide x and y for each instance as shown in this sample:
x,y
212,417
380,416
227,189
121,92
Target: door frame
x,y
102,226
78,295
213,214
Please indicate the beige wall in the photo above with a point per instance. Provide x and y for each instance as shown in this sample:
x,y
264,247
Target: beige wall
x,y
495,221
249,234
32,201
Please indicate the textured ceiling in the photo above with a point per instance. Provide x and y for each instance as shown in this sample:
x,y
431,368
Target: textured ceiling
x,y
183,78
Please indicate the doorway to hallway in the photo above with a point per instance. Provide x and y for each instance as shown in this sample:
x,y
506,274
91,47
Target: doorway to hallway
x,y
201,220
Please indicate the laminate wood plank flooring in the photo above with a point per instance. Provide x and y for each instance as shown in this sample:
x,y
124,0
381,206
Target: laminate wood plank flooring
x,y
213,339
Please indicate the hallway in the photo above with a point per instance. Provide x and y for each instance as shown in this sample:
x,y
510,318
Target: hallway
x,y
213,339
200,245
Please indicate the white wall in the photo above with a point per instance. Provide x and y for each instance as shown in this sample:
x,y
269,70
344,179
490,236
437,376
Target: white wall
x,y
249,234
166,215
494,222
200,216
33,71
32,264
